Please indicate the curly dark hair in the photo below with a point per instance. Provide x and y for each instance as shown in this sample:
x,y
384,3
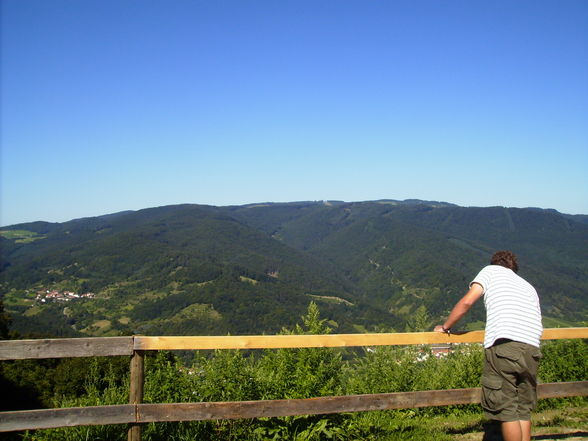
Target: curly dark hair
x,y
506,259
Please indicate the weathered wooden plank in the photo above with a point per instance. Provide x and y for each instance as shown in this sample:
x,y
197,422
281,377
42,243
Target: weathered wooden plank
x,y
310,406
559,390
330,340
66,417
327,405
65,347
145,413
136,390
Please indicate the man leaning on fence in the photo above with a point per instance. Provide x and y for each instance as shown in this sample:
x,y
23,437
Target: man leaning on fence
x,y
511,342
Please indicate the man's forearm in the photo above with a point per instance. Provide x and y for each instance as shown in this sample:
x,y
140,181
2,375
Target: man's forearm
x,y
461,307
456,315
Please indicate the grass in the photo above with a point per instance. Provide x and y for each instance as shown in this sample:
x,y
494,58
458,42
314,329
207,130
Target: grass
x,y
248,280
552,322
570,424
547,425
98,328
33,310
21,236
14,298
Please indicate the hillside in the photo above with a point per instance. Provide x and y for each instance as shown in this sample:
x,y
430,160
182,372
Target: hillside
x,y
171,270
404,254
191,269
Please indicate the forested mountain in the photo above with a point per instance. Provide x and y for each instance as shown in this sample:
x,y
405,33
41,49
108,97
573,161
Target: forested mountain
x,y
192,269
411,253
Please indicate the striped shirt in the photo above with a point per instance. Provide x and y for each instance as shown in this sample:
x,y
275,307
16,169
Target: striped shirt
x,y
512,306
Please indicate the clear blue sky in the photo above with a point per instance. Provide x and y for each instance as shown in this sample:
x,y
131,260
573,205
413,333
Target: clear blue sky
x,y
109,105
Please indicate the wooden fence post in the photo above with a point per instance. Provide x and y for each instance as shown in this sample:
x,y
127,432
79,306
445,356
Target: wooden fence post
x,y
136,391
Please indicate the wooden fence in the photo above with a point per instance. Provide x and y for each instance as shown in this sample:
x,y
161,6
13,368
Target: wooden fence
x,y
136,413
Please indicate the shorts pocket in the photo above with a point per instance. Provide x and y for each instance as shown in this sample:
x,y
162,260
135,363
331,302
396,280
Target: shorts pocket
x,y
509,352
537,355
509,359
493,398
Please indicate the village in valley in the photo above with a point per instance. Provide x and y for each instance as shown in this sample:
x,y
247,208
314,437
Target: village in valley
x,y
45,296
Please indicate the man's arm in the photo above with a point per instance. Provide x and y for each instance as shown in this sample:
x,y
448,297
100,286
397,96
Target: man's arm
x,y
461,307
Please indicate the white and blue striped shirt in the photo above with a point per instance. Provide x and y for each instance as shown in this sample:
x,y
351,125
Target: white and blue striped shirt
x,y
512,306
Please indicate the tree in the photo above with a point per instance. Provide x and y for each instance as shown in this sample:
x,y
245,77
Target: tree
x,y
420,321
5,322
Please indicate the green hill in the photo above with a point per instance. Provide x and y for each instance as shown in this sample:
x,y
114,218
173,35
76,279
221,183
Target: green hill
x,y
405,254
171,270
191,269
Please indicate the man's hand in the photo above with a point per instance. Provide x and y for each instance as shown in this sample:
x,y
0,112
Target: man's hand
x,y
440,328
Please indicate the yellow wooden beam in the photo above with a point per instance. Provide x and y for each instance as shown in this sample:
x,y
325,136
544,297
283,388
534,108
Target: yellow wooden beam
x,y
326,341
561,333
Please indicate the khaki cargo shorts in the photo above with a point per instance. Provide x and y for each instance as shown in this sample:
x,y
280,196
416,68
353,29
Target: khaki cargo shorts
x,y
509,380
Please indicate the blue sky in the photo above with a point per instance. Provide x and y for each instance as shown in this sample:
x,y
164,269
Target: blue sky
x,y
110,105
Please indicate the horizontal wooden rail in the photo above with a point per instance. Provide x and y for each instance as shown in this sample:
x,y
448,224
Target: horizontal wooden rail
x,y
65,347
67,417
147,413
301,341
113,346
305,406
328,340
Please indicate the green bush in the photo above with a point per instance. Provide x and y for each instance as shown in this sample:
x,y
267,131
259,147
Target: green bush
x,y
563,360
100,388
